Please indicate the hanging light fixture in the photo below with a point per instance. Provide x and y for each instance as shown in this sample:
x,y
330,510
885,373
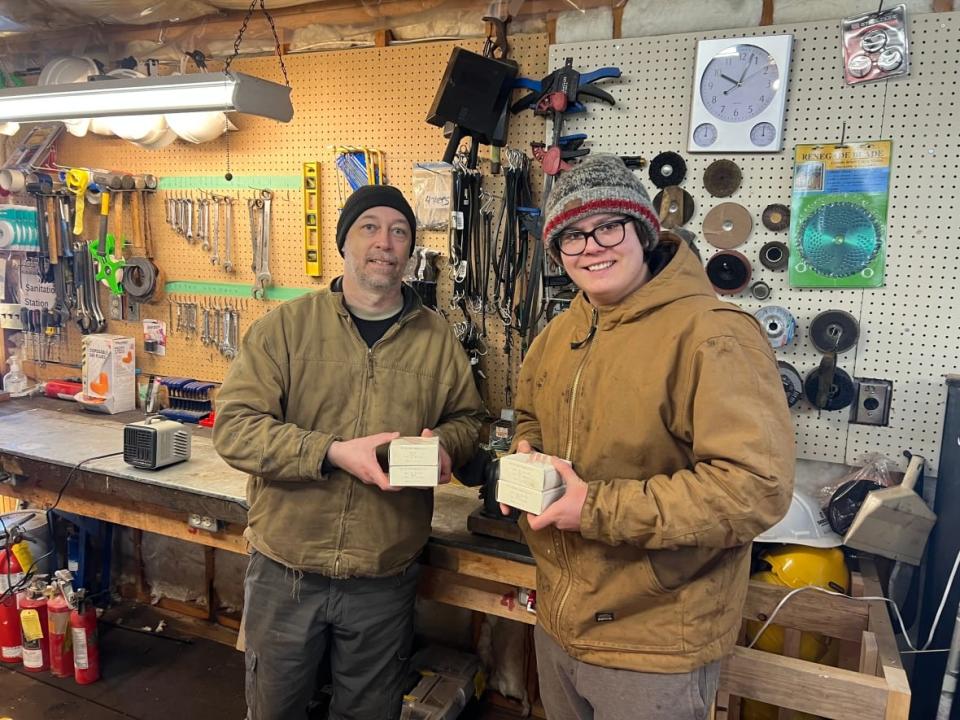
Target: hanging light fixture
x,y
226,91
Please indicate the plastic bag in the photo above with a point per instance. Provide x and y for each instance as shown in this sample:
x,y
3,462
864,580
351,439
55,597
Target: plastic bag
x,y
432,194
877,468
841,501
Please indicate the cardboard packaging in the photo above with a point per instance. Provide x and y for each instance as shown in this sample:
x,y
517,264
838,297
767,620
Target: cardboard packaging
x,y
415,462
109,373
526,498
530,470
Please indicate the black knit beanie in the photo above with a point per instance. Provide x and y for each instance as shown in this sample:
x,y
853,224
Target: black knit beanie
x,y
368,196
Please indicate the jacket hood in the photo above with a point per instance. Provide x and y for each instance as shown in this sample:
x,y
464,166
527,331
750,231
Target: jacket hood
x,y
681,276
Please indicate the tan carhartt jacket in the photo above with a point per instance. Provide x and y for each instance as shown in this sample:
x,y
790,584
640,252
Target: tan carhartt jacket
x,y
304,378
674,413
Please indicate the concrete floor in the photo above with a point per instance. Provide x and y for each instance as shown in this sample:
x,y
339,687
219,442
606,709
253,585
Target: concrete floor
x,y
170,675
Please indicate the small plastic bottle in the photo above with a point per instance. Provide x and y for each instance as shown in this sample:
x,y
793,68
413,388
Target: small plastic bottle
x,y
14,381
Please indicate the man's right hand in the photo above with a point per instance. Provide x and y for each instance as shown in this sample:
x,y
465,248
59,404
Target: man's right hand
x,y
522,447
359,458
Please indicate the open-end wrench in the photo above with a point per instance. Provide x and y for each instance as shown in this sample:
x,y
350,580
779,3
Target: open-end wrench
x,y
228,236
215,258
188,206
263,273
254,233
203,223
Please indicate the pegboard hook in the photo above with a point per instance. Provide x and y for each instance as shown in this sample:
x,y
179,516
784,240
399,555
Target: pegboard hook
x,y
843,134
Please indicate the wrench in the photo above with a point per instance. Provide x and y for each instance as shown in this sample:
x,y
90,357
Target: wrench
x,y
203,223
228,240
188,204
254,233
215,258
263,273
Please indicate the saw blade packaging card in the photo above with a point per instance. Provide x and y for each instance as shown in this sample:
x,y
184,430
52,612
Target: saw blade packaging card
x,y
109,373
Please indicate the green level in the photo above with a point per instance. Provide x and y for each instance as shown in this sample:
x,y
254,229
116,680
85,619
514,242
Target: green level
x,y
239,182
191,287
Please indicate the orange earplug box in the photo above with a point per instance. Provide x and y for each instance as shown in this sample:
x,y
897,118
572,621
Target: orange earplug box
x,y
109,373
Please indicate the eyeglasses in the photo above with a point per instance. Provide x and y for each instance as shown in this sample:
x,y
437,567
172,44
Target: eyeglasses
x,y
608,235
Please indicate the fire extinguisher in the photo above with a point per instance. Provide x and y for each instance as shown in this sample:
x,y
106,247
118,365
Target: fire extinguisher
x,y
58,619
86,651
33,626
11,574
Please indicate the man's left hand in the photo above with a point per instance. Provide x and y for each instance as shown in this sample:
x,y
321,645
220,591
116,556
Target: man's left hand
x,y
446,464
565,512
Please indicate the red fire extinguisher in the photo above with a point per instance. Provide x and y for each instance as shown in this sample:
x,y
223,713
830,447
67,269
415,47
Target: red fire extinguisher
x,y
61,639
33,626
86,651
11,574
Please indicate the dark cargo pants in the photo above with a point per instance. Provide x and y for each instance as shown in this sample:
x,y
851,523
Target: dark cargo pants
x,y
574,690
292,619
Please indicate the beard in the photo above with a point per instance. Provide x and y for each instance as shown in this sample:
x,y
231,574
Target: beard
x,y
373,279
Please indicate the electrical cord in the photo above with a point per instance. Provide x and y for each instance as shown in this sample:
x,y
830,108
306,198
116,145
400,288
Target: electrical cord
x,y
22,583
896,610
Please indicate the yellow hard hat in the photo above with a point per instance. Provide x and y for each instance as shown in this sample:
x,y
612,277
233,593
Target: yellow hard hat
x,y
797,566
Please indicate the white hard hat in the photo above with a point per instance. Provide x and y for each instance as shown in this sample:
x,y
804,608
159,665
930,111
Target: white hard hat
x,y
804,524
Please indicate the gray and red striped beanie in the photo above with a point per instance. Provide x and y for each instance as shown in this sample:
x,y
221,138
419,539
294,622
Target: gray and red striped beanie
x,y
599,184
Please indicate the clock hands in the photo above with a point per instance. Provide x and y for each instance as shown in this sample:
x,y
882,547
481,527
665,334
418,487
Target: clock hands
x,y
729,79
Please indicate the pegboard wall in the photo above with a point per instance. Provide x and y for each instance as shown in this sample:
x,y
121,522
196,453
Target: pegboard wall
x,y
907,328
375,97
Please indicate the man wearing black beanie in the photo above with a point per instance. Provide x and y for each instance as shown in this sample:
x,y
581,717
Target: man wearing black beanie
x,y
320,384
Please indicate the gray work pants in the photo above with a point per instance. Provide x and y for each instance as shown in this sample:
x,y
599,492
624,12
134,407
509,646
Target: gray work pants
x,y
574,690
292,619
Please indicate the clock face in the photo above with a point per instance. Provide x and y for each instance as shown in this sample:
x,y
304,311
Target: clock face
x,y
705,134
762,134
739,83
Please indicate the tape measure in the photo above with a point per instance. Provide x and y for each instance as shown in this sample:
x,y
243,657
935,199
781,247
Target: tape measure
x,y
311,218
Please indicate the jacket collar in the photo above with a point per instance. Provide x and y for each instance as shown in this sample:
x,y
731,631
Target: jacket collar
x,y
411,299
681,276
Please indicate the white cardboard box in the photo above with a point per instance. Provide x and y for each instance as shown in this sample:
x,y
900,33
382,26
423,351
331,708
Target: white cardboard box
x,y
415,462
415,451
530,470
525,498
414,475
109,373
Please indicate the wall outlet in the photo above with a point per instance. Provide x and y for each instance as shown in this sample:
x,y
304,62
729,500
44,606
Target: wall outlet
x,y
872,406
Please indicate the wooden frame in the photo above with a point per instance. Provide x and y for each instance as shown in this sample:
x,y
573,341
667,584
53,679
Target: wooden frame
x,y
870,682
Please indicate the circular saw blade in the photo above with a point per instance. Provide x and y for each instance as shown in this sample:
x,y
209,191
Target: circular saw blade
x,y
839,239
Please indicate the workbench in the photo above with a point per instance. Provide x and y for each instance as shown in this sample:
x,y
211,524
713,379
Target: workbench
x,y
42,440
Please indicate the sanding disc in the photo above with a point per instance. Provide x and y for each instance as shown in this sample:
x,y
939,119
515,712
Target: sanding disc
x,y
667,168
722,178
792,383
729,272
776,217
834,331
775,255
675,206
841,390
727,226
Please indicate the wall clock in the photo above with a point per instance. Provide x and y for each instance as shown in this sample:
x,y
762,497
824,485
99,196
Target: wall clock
x,y
739,94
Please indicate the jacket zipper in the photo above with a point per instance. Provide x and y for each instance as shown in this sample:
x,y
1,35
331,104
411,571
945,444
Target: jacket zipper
x,y
363,398
567,453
